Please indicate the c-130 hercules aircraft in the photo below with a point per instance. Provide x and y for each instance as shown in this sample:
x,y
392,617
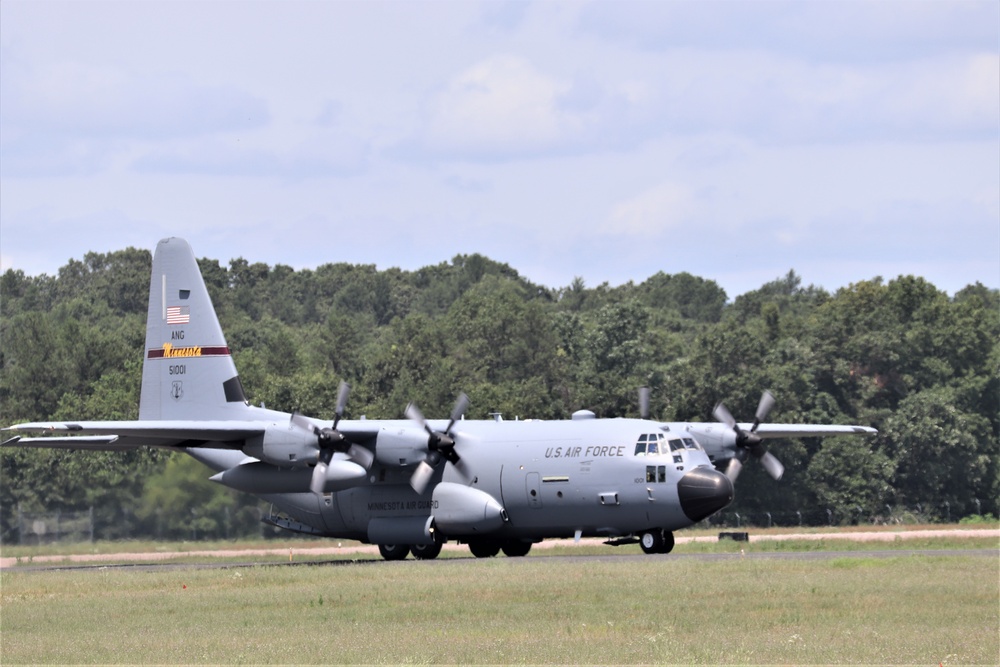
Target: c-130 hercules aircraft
x,y
411,485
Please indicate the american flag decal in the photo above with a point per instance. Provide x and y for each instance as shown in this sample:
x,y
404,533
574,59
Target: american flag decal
x,y
178,314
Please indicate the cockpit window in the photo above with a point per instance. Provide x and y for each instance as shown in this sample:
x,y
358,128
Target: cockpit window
x,y
691,443
676,445
650,443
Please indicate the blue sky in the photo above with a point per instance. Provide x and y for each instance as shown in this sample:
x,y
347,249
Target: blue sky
x,y
606,140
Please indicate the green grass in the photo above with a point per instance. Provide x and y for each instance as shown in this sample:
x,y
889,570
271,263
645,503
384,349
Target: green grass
x,y
902,610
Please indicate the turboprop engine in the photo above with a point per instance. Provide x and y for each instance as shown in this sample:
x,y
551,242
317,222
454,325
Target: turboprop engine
x,y
461,510
400,447
458,511
284,446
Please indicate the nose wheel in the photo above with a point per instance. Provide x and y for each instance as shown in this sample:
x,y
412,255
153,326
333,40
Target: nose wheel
x,y
657,541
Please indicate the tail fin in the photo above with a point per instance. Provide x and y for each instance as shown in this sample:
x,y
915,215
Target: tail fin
x,y
187,372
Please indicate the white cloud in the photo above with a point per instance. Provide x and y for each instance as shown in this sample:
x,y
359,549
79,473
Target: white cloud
x,y
651,213
502,105
505,107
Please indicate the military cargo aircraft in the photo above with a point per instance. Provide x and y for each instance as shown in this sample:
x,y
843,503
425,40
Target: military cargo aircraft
x,y
410,485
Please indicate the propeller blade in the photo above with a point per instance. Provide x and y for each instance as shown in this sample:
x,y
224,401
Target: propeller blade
x,y
644,402
461,404
763,409
301,422
414,413
421,477
441,445
318,478
362,456
462,469
342,393
772,465
733,469
722,414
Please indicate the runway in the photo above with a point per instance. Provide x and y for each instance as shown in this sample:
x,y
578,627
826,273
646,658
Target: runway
x,y
296,552
368,554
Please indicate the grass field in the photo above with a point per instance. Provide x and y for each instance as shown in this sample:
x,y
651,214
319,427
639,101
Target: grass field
x,y
847,610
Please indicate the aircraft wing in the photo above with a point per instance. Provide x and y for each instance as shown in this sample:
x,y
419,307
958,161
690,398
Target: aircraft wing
x,y
808,430
121,435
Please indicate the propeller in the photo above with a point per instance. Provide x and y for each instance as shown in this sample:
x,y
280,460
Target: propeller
x,y
331,440
644,402
440,444
749,441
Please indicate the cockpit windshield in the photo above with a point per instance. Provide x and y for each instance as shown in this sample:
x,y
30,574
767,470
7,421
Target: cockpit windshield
x,y
652,444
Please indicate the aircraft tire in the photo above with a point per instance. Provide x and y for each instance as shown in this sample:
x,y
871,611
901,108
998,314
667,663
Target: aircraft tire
x,y
668,542
484,548
393,551
652,541
515,548
425,551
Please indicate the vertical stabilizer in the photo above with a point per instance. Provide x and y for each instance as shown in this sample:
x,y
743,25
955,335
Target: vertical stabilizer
x,y
187,372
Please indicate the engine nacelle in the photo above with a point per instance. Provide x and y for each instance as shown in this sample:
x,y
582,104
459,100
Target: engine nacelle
x,y
341,474
462,510
260,477
718,441
284,446
400,447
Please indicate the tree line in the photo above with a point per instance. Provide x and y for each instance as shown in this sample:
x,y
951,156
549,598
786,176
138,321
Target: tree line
x,y
900,355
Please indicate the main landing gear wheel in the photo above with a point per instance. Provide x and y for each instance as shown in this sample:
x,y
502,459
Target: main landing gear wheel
x,y
515,548
484,548
425,551
656,542
393,551
668,542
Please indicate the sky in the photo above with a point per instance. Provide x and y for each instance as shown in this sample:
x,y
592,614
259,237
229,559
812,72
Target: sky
x,y
844,140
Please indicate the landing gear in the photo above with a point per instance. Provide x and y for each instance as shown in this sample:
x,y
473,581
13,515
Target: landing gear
x,y
425,551
657,541
484,548
651,541
393,551
515,548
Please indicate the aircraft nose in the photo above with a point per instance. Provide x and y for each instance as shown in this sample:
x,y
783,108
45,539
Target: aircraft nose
x,y
703,492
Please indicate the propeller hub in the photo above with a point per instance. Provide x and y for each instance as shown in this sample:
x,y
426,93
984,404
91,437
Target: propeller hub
x,y
749,441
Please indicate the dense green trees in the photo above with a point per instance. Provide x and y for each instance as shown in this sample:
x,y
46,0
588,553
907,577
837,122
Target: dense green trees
x,y
922,367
